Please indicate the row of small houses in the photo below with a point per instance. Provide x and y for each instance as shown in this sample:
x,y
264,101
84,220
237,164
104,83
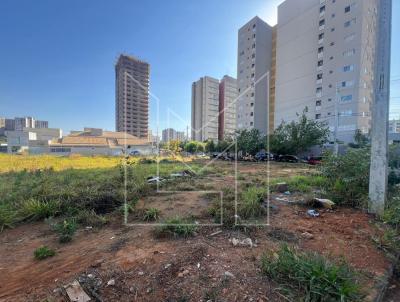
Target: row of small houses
x,y
90,141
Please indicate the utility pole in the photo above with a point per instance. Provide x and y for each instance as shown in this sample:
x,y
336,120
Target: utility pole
x,y
380,111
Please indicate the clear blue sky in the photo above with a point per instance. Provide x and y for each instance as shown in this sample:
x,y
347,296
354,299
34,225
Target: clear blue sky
x,y
57,56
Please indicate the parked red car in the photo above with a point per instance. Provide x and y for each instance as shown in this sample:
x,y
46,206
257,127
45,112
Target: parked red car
x,y
314,160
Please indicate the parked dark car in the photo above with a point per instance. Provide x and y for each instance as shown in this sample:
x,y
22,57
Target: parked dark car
x,y
263,156
288,158
314,160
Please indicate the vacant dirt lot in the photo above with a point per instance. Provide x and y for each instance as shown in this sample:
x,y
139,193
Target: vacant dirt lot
x,y
201,268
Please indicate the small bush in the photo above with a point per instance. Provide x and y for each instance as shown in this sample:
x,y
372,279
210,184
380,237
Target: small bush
x,y
66,230
151,214
251,202
347,177
310,276
34,209
389,241
43,252
176,227
392,213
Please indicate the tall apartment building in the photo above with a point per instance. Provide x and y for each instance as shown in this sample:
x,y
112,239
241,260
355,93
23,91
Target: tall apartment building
x,y
132,96
253,75
326,62
170,134
228,93
205,109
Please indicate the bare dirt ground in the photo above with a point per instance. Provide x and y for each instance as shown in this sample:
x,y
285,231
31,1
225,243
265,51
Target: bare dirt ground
x,y
201,268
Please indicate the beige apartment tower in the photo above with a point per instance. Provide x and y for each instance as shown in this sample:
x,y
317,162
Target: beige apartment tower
x,y
325,61
205,109
255,61
132,96
228,94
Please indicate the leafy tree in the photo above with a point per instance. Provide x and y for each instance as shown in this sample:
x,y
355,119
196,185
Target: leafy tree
x,y
194,146
174,146
298,136
360,140
249,141
209,146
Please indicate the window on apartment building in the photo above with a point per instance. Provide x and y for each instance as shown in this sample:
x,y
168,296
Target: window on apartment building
x,y
331,58
320,63
349,22
348,68
350,37
319,76
332,43
322,9
333,16
349,53
330,85
253,55
348,112
330,71
251,123
318,116
346,98
318,90
318,103
322,22
253,46
251,104
320,36
347,9
254,35
320,49
253,65
254,26
252,75
329,100
252,94
346,84
332,29
251,113
242,53
328,113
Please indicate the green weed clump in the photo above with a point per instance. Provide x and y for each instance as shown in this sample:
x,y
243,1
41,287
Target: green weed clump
x,y
90,218
251,202
347,177
43,252
151,214
391,215
224,212
66,230
34,209
176,227
311,277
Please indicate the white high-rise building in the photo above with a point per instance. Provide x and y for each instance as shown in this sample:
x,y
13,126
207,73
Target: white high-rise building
x,y
253,73
228,93
326,62
205,109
